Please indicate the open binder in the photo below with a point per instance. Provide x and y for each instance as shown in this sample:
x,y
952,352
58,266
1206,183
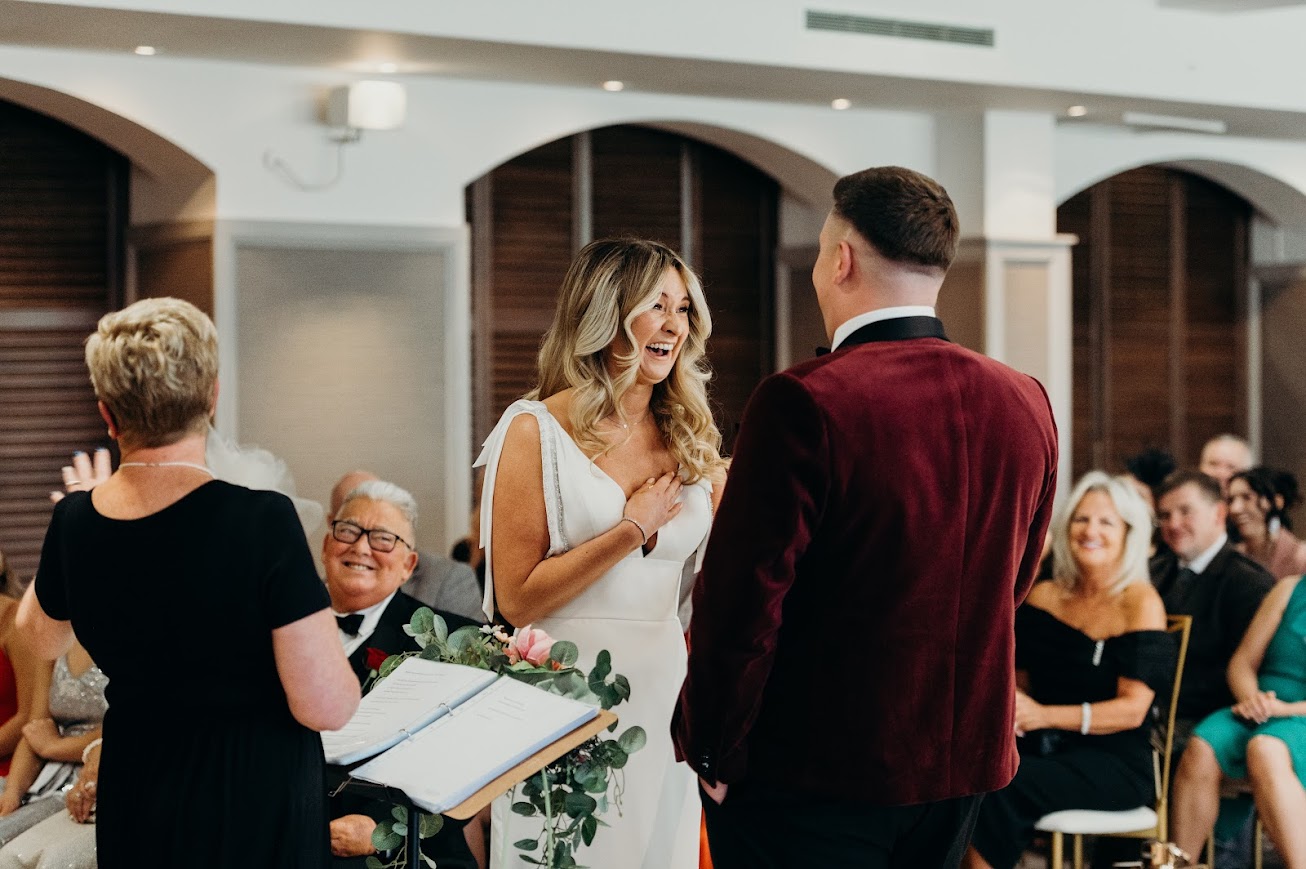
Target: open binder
x,y
452,738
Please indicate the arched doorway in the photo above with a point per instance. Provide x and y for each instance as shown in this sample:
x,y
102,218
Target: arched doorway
x,y
1160,315
530,215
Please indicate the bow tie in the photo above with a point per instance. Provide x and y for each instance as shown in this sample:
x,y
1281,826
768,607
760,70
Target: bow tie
x,y
350,623
821,351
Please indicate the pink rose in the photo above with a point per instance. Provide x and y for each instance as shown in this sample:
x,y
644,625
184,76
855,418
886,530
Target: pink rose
x,y
530,645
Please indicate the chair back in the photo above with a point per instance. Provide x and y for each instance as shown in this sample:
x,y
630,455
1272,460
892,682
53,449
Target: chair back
x,y
1182,626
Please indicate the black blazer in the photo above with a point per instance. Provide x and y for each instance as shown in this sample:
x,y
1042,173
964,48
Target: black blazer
x,y
1222,600
389,635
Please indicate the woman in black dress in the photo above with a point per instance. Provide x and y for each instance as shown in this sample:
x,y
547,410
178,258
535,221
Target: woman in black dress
x,y
199,600
1091,656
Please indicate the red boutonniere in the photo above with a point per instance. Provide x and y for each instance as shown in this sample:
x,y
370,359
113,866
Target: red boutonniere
x,y
375,658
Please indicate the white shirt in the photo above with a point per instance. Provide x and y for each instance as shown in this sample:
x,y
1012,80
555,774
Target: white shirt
x,y
371,616
851,326
1203,561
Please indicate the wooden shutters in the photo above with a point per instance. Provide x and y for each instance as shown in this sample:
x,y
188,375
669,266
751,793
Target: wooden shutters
x,y
1159,319
62,215
531,214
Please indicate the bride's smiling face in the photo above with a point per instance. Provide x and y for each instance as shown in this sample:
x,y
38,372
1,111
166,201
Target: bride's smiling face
x,y
660,332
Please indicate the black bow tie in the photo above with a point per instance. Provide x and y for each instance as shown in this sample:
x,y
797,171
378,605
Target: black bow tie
x,y
350,623
821,351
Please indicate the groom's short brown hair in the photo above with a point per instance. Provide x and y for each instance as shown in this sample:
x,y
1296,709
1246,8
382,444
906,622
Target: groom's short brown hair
x,y
905,215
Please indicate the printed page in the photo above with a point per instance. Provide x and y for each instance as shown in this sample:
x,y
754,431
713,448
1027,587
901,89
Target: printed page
x,y
416,693
456,756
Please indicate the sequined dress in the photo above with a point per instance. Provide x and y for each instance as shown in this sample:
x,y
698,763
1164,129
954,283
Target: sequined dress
x,y
203,764
632,611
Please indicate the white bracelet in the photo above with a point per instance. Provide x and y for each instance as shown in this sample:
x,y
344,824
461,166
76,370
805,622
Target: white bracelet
x,y
1085,718
86,752
642,532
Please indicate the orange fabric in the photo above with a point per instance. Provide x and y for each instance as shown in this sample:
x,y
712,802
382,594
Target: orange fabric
x,y
704,858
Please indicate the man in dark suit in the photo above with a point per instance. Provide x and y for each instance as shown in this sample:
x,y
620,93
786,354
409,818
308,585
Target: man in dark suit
x,y
1204,577
368,554
851,682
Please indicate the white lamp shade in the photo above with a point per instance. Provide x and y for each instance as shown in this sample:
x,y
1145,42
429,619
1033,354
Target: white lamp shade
x,y
367,105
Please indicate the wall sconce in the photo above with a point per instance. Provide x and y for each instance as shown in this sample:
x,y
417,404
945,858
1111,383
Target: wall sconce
x,y
350,109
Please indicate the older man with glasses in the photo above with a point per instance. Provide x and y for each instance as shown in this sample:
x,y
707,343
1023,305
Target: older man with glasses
x,y
369,552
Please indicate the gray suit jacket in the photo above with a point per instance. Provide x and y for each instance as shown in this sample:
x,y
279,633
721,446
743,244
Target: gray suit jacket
x,y
444,584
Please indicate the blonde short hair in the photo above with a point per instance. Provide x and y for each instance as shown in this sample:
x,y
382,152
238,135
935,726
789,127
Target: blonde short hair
x,y
609,284
1138,531
154,365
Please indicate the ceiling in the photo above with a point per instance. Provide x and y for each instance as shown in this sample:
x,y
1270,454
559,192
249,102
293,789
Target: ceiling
x,y
360,51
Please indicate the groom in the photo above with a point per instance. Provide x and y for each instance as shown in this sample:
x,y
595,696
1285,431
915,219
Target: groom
x,y
851,689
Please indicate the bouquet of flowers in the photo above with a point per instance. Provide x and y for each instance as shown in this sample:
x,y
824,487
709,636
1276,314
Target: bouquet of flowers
x,y
570,794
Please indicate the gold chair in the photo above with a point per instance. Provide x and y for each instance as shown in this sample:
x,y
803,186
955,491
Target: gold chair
x,y
1144,822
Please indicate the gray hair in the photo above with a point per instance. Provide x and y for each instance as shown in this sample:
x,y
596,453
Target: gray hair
x,y
1138,531
382,490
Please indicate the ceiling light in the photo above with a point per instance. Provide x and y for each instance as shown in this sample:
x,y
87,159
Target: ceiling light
x,y
1077,111
1150,121
387,67
145,50
614,86
840,104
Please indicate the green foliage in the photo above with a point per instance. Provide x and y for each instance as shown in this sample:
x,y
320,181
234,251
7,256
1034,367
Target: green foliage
x,y
568,796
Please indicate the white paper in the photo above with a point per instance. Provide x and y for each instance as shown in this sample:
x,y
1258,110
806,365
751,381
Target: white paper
x,y
415,693
457,755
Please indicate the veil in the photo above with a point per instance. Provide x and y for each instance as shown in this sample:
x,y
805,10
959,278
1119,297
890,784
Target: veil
x,y
256,468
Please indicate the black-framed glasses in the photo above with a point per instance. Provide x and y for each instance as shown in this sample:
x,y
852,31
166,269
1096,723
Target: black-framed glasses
x,y
378,539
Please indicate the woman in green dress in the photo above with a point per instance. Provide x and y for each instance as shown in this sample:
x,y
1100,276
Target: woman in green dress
x,y
1262,737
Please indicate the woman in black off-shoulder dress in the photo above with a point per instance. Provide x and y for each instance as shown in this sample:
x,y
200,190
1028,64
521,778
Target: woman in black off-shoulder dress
x,y
1093,655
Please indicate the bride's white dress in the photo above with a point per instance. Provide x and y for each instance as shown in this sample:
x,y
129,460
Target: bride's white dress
x,y
632,611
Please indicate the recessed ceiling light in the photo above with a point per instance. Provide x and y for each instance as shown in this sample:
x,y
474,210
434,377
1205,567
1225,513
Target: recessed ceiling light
x,y
840,104
1077,111
145,50
614,86
387,67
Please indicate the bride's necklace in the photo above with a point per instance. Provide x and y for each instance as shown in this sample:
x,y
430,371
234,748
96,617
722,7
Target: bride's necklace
x,y
192,465
616,420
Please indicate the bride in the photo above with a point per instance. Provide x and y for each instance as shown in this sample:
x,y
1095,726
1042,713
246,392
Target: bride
x,y
598,494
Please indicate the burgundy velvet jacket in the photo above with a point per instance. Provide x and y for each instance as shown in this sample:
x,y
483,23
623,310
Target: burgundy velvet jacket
x,y
852,632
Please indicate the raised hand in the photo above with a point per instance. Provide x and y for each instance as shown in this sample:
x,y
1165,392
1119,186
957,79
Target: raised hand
x,y
83,475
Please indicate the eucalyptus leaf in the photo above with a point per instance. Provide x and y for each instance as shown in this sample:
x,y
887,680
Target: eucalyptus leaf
x,y
399,813
374,863
429,862
565,653
588,828
633,739
602,667
579,804
429,825
423,620
531,860
432,653
526,844
617,759
400,829
384,839
389,664
439,628
524,809
622,685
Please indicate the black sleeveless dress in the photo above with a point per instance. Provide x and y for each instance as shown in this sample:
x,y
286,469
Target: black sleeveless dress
x,y
1061,769
203,765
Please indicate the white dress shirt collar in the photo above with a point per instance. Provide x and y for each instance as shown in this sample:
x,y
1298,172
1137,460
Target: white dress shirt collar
x,y
851,326
1203,561
371,616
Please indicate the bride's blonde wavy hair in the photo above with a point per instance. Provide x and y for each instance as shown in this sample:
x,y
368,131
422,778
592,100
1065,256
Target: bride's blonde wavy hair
x,y
609,284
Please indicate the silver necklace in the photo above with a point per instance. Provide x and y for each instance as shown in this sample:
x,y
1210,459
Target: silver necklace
x,y
622,425
166,465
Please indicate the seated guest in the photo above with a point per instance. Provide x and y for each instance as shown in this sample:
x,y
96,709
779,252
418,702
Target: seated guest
x,y
1204,577
1259,500
1091,656
1223,456
1261,738
67,716
1146,470
439,582
20,673
65,840
369,553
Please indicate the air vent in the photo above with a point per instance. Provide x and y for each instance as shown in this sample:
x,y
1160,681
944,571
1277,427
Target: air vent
x,y
839,22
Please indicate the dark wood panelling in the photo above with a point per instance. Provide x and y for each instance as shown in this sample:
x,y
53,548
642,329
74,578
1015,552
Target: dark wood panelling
x,y
1158,321
636,184
62,213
